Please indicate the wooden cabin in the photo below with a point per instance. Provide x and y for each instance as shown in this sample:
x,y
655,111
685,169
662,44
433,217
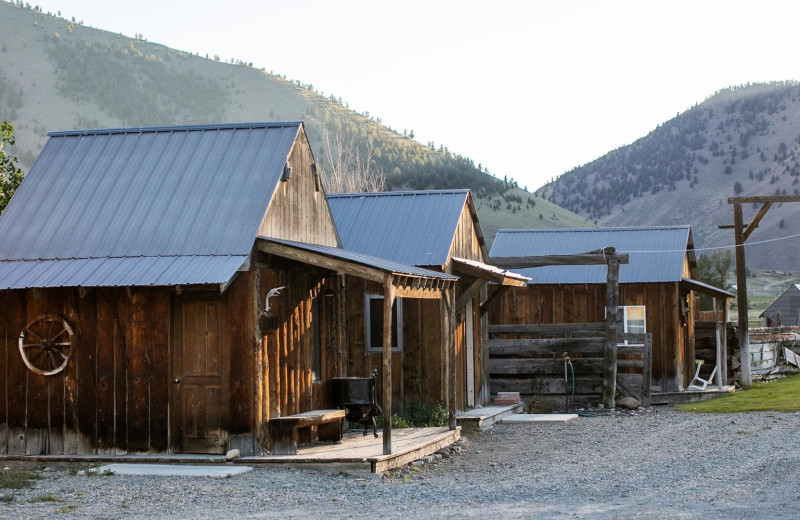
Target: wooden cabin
x,y
785,310
437,230
172,290
655,289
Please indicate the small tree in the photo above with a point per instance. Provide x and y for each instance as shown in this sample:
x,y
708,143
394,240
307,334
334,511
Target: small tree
x,y
10,174
713,270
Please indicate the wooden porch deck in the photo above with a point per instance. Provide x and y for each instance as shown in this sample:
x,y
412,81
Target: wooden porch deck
x,y
357,452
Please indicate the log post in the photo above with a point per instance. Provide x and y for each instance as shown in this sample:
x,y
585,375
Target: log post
x,y
388,300
610,350
741,297
450,298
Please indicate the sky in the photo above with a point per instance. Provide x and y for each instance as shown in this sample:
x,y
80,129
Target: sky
x,y
528,89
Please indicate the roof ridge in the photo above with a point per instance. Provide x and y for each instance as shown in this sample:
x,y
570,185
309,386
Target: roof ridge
x,y
397,193
176,128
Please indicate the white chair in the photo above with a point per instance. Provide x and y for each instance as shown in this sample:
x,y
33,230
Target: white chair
x,y
701,383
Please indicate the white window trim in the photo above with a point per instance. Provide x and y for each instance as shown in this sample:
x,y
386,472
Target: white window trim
x,y
398,333
624,319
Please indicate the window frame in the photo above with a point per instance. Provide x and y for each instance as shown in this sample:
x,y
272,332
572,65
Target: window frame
x,y
623,323
397,309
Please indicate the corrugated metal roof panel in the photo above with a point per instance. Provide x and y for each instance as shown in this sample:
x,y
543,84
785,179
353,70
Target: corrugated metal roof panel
x,y
357,257
413,228
656,254
119,272
194,191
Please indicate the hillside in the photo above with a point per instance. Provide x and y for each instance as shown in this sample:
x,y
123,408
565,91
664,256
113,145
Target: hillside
x,y
741,141
57,74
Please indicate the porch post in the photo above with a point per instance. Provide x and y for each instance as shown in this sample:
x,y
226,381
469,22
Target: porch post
x,y
450,298
610,351
388,300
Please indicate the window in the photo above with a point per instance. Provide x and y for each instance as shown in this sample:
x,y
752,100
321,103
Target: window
x,y
373,323
633,320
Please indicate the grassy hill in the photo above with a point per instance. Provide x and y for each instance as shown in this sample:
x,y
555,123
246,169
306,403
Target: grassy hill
x,y
57,74
742,141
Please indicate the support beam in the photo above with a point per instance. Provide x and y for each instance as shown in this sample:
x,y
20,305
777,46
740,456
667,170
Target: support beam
x,y
610,350
754,223
471,291
499,291
388,301
741,296
450,299
518,262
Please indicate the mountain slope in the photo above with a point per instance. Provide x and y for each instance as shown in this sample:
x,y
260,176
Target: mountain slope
x,y
58,75
740,142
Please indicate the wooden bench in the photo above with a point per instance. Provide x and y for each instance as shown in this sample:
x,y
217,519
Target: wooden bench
x,y
289,431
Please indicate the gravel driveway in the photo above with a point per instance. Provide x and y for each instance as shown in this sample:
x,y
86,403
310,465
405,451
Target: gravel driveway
x,y
664,464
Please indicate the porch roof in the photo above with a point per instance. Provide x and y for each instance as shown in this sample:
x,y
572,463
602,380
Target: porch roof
x,y
489,272
411,281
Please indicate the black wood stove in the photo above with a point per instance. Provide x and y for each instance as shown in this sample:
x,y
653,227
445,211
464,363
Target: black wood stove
x,y
357,396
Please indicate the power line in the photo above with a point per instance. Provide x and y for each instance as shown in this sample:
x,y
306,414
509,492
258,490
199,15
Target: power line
x,y
733,246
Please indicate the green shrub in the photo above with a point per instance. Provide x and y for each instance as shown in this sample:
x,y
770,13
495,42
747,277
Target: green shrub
x,y
16,479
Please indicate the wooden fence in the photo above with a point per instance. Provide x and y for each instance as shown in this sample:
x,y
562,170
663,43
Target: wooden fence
x,y
529,359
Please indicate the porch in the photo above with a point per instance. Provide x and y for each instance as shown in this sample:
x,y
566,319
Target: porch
x,y
356,453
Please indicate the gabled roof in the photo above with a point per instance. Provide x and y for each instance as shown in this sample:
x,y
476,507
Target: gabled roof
x,y
409,227
787,303
656,253
142,206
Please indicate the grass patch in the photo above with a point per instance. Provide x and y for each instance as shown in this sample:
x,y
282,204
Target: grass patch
x,y
6,498
16,479
49,497
779,396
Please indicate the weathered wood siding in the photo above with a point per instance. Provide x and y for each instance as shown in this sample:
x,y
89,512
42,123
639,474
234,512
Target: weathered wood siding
x,y
539,304
419,369
465,241
113,395
298,209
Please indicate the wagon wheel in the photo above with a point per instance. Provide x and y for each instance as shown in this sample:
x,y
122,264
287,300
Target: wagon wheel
x,y
46,344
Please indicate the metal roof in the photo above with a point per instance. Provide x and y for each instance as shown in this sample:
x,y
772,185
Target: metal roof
x,y
409,227
142,206
656,254
387,266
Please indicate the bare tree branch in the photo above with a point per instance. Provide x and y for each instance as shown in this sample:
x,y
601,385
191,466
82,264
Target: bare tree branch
x,y
344,170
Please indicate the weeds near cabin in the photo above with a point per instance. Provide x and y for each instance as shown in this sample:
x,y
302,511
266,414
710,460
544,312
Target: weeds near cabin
x,y
95,473
778,396
419,415
49,497
16,479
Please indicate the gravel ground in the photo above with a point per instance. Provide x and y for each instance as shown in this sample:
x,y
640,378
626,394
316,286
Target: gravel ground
x,y
664,464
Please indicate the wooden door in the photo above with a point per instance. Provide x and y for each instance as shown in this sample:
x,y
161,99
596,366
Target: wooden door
x,y
199,377
469,337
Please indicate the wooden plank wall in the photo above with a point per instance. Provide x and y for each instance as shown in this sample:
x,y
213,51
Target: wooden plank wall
x,y
285,369
581,303
113,395
298,210
530,362
418,371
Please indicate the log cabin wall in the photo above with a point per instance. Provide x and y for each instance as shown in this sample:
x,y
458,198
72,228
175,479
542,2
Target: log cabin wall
x,y
582,303
419,369
112,397
284,365
466,244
